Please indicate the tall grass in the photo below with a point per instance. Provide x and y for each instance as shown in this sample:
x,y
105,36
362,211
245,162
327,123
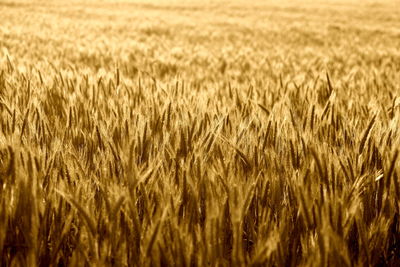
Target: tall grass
x,y
133,166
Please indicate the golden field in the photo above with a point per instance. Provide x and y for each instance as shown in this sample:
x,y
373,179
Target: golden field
x,y
199,133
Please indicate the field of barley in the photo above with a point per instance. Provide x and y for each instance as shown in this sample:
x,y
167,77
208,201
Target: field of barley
x,y
199,133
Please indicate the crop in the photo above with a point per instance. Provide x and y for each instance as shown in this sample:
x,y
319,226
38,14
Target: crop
x,y
194,133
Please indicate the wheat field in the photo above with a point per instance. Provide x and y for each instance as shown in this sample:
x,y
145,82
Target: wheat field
x,y
199,133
